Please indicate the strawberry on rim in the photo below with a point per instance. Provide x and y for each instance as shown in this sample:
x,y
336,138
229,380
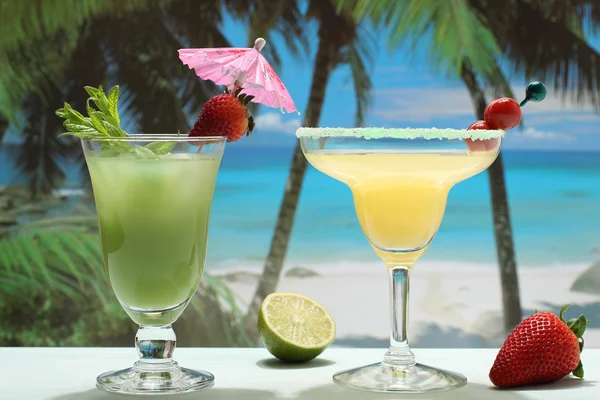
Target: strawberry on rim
x,y
225,115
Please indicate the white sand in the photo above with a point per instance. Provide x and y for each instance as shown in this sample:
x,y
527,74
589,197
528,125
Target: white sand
x,y
451,305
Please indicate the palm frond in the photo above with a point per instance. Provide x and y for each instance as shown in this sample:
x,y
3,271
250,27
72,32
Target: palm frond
x,y
277,18
31,69
50,261
450,29
213,292
359,56
3,122
46,27
547,46
33,20
193,24
39,157
159,93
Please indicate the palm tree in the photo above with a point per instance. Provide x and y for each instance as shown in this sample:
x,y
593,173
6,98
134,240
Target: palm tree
x,y
540,38
3,127
160,94
341,42
32,27
135,43
159,91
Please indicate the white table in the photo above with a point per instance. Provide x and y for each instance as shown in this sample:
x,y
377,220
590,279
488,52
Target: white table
x,y
252,374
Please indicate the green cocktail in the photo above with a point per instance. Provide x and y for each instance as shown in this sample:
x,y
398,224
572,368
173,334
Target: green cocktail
x,y
153,216
153,197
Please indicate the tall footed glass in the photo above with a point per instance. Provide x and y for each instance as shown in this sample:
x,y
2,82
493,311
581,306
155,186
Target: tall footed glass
x,y
400,180
153,196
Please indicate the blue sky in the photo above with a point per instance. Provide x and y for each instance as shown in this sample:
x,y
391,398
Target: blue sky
x,y
408,92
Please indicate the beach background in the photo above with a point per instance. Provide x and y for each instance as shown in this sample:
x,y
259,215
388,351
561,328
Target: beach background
x,y
551,165
455,296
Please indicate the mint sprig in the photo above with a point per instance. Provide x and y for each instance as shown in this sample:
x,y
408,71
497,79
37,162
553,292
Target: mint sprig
x,y
103,120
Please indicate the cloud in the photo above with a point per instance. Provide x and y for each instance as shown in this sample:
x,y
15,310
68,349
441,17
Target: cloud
x,y
428,103
536,134
421,104
273,122
560,117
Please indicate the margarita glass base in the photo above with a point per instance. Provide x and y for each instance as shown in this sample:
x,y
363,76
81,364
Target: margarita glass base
x,y
146,378
382,377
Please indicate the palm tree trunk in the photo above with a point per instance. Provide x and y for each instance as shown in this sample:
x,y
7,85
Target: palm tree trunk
x,y
511,302
3,128
324,63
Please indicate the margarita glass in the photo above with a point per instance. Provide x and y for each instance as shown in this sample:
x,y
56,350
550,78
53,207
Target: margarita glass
x,y
400,180
153,213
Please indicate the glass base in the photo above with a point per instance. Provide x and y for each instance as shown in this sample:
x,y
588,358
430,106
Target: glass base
x,y
146,378
383,377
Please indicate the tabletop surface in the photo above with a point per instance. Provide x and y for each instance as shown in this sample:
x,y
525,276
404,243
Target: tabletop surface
x,y
252,374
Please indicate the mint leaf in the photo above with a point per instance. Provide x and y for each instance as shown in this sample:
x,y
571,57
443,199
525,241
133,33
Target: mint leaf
x,y
160,148
142,152
103,120
113,102
97,121
99,98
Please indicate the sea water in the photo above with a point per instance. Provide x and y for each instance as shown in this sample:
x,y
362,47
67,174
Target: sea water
x,y
554,202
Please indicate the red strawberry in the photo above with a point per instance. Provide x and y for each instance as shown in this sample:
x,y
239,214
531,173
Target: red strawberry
x,y
481,145
541,349
225,115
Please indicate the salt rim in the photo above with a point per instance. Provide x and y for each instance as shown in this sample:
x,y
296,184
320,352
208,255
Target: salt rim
x,y
401,133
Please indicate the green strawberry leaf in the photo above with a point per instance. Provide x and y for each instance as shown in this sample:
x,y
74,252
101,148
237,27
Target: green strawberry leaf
x,y
578,372
577,326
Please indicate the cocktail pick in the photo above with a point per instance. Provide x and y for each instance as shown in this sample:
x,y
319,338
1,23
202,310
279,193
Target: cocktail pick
x,y
535,91
241,67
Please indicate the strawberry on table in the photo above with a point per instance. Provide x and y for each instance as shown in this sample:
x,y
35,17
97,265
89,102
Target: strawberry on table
x,y
225,115
541,349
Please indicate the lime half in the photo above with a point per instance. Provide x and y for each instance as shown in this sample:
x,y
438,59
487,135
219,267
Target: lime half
x,y
294,327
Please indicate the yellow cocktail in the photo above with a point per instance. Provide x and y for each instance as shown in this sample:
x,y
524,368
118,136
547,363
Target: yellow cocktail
x,y
400,196
400,180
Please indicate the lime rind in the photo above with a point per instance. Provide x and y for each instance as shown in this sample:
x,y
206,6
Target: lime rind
x,y
400,133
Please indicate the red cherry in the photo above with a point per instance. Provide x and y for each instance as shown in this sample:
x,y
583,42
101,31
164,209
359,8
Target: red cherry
x,y
481,145
503,113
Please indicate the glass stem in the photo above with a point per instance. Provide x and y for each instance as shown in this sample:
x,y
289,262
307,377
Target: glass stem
x,y
399,353
155,346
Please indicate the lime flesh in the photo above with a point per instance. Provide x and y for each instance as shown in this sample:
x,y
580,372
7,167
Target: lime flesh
x,y
293,327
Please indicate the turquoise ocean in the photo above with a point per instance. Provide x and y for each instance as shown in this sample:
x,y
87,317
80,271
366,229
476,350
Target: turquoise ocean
x,y
554,201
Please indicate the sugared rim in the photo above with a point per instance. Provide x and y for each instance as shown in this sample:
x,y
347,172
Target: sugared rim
x,y
159,137
400,133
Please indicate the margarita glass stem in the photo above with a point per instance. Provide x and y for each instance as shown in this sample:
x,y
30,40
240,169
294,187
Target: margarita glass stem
x,y
399,353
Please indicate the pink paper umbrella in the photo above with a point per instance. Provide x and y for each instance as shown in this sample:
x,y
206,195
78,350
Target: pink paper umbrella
x,y
245,67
